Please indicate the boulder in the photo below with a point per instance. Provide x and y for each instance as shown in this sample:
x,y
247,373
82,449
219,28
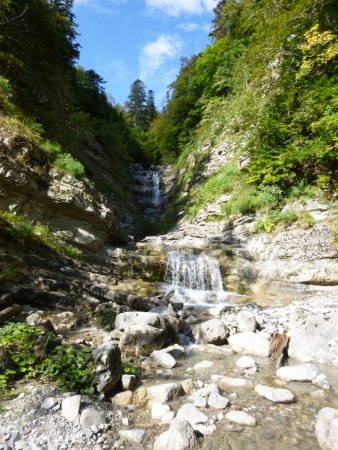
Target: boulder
x,y
249,343
162,412
246,362
162,359
180,436
327,428
312,335
128,382
224,382
276,395
204,391
217,401
142,340
203,365
214,331
162,393
108,370
301,372
190,413
91,417
241,418
246,321
134,318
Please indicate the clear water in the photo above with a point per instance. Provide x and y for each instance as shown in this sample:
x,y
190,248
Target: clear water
x,y
195,277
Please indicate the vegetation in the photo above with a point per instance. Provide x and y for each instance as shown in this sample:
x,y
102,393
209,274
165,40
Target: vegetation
x,y
23,231
34,352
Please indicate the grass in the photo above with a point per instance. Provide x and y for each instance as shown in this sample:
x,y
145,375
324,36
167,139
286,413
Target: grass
x,y
270,221
22,230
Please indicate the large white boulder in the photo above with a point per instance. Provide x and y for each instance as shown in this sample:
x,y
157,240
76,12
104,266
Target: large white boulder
x,y
180,436
214,331
301,372
190,413
276,395
132,318
327,428
249,343
246,321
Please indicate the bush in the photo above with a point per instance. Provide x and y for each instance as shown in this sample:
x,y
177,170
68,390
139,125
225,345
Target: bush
x,y
67,163
269,222
35,353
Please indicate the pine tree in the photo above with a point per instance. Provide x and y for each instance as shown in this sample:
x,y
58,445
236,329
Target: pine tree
x,y
150,110
137,104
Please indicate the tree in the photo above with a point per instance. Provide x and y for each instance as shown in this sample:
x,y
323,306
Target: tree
x,y
137,104
150,109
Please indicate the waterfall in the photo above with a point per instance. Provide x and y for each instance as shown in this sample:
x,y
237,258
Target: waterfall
x,y
156,189
196,278
147,187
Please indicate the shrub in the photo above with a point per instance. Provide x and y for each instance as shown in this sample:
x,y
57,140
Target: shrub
x,y
67,163
269,222
52,148
5,87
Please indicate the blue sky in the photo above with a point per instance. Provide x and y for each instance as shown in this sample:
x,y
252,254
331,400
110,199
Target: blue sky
x,y
123,40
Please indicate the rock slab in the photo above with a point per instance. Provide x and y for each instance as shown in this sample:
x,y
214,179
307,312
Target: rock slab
x,y
327,428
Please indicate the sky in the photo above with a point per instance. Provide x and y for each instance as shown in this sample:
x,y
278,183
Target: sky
x,y
123,40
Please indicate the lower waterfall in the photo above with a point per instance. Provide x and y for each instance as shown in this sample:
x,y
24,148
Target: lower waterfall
x,y
196,278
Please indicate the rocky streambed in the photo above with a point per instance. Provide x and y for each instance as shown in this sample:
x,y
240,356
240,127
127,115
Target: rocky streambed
x,y
205,381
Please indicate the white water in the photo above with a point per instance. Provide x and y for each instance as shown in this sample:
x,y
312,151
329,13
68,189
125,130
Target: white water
x,y
196,278
156,189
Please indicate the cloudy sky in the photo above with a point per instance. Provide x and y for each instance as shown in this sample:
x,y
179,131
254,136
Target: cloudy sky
x,y
124,40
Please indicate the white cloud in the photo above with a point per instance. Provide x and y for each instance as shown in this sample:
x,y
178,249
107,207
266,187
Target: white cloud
x,y
177,7
102,9
155,54
188,26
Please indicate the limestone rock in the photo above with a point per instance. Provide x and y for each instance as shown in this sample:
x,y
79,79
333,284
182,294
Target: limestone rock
x,y
180,436
107,359
128,382
90,417
142,340
246,321
70,407
204,391
241,418
311,336
214,331
276,395
217,401
246,362
249,343
49,403
224,382
162,393
301,372
134,436
190,413
162,359
133,318
327,428
123,398
203,365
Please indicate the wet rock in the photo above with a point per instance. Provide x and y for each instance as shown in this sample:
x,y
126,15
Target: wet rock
x,y
91,417
162,359
200,402
128,382
176,351
214,332
249,343
162,393
130,319
190,413
225,382
322,382
142,340
241,418
246,321
203,365
246,362
108,370
204,391
302,372
217,401
162,412
276,395
327,428
71,407
180,436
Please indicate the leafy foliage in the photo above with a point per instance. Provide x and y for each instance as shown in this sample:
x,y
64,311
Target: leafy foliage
x,y
37,353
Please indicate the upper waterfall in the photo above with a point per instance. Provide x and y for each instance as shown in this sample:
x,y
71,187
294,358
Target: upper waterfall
x,y
147,187
196,278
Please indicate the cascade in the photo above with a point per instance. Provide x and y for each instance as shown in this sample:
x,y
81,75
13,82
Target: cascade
x,y
147,187
196,278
